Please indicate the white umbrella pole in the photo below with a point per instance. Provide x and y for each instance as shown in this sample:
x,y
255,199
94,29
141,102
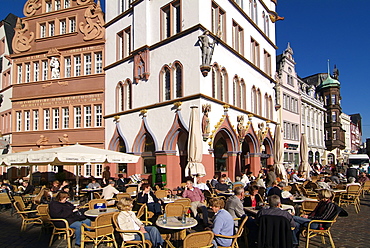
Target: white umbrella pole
x,y
77,179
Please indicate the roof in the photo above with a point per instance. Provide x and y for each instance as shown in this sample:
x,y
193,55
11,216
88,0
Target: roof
x,y
329,82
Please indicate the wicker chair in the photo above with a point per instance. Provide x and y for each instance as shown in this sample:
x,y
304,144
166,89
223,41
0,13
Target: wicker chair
x,y
161,193
119,196
308,206
143,243
65,230
96,195
174,209
143,211
186,202
102,231
43,212
5,200
95,201
352,196
199,240
130,190
22,205
365,188
26,220
235,237
238,185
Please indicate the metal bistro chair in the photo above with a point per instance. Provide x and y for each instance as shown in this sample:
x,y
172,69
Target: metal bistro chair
x,y
101,231
186,202
199,240
309,206
143,243
63,229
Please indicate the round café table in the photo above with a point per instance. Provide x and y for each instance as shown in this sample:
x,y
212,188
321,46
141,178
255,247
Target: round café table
x,y
96,212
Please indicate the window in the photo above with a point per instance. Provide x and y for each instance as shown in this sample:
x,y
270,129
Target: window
x,y
36,71
67,3
77,117
178,80
333,99
218,21
170,19
27,121
45,70
51,28
87,116
72,25
65,116
77,65
253,10
290,80
42,30
167,83
46,119
35,120
123,93
87,64
57,5
55,118
238,38
267,60
67,67
98,170
254,100
19,76
334,116
63,27
255,52
98,63
124,43
124,5
98,115
259,102
48,6
28,73
87,170
267,25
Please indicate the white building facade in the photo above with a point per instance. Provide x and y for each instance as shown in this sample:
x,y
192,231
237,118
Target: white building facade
x,y
345,120
155,73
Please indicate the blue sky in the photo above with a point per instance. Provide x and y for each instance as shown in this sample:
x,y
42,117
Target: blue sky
x,y
317,30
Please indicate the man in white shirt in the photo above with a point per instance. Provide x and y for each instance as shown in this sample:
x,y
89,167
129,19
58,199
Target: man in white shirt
x,y
109,191
200,185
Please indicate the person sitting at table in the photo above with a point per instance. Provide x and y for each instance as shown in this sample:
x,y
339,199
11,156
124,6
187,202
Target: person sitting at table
x,y
109,191
28,188
352,181
221,186
277,190
275,210
363,178
214,180
93,184
200,185
121,183
127,220
66,184
43,197
226,178
254,198
270,176
197,201
147,196
234,204
56,187
60,208
322,184
297,177
325,210
223,223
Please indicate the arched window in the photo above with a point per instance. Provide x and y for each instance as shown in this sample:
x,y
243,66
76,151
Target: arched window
x,y
243,95
266,100
236,92
331,158
271,113
267,24
223,87
148,155
165,84
119,97
254,100
178,80
264,23
215,80
255,11
259,102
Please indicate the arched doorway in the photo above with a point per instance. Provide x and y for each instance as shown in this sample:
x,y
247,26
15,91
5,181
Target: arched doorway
x,y
266,153
220,154
181,150
245,157
148,154
122,168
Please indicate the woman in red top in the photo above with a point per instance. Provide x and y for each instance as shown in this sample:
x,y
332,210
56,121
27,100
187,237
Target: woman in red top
x,y
254,198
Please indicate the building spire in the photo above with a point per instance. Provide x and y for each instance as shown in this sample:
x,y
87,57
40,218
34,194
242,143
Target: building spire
x,y
328,67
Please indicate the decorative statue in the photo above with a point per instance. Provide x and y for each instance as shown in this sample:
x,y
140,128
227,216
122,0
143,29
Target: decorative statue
x,y
207,48
241,128
54,64
206,127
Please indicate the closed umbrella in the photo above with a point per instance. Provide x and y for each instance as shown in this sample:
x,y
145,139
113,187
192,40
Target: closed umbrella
x,y
304,166
195,147
278,154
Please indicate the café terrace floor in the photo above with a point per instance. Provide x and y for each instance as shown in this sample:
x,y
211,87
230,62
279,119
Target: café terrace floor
x,y
349,232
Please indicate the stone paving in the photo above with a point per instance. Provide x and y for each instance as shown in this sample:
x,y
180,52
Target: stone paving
x,y
349,232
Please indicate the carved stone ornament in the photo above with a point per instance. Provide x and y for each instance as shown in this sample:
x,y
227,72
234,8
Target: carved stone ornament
x,y
31,7
141,66
82,2
240,128
21,43
206,126
93,29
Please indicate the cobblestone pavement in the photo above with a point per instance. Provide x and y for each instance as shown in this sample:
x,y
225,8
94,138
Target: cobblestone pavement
x,y
349,232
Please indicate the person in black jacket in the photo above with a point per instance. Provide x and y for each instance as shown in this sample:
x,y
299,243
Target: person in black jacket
x,y
121,183
276,190
147,196
28,188
351,172
62,209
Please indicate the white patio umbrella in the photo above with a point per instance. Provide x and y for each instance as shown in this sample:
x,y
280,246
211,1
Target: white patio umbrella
x,y
75,154
195,146
304,166
278,154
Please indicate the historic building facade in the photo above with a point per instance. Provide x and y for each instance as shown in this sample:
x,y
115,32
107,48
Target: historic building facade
x,y
345,120
356,132
58,78
166,56
290,102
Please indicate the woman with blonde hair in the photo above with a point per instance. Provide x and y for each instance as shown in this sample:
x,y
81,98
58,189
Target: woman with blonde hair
x,y
127,220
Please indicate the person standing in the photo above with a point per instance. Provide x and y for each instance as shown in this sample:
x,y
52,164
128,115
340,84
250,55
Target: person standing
x,y
270,177
197,201
106,175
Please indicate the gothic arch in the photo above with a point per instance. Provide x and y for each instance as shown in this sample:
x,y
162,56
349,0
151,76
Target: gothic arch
x,y
115,140
165,84
178,128
228,132
139,141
